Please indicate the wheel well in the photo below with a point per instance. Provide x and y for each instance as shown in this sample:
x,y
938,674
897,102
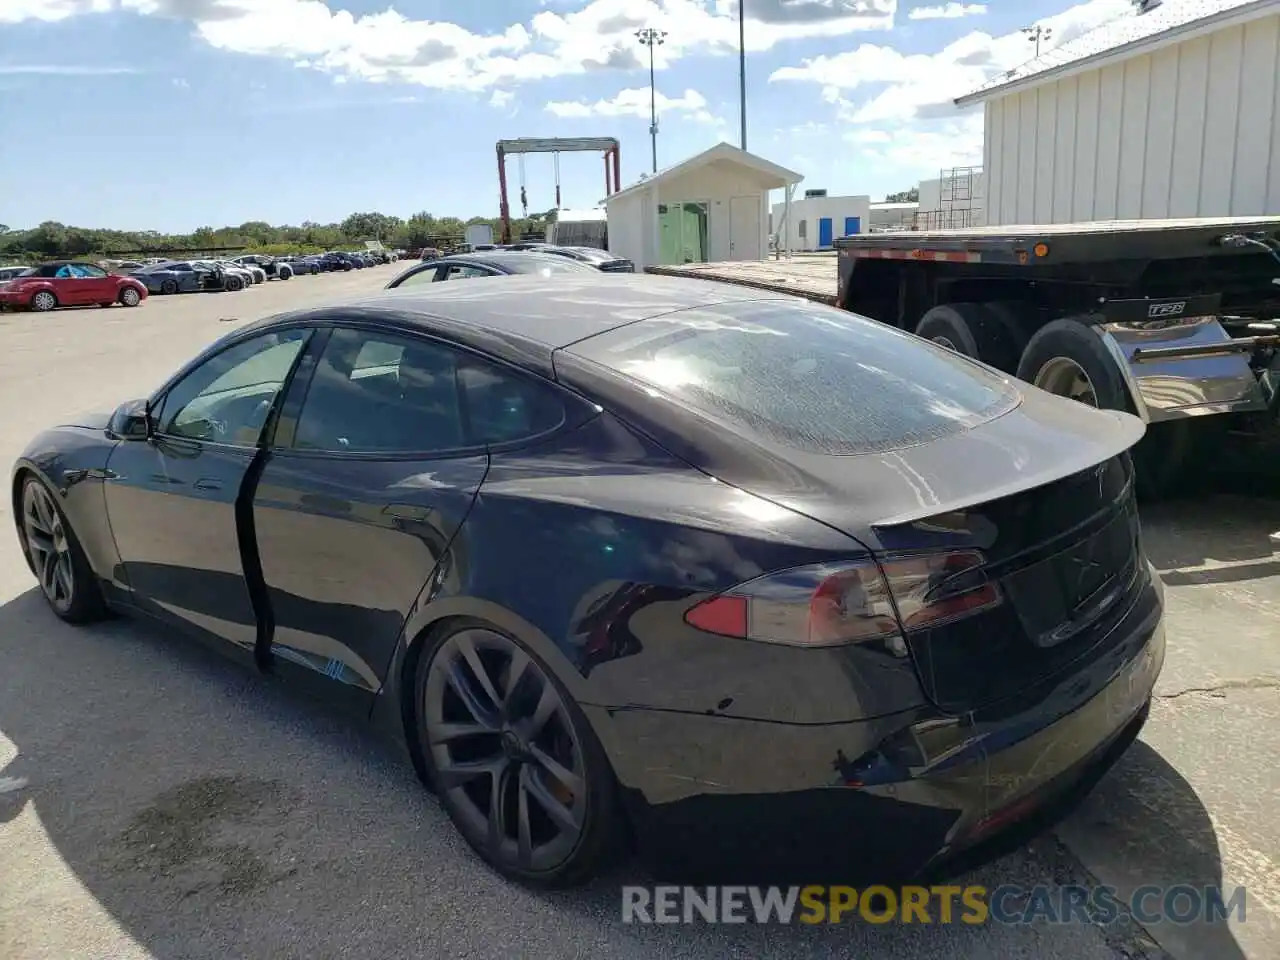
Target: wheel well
x,y
19,481
408,698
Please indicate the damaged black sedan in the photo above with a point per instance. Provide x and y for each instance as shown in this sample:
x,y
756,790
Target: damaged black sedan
x,y
729,576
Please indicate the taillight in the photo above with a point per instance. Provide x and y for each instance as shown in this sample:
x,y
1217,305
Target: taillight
x,y
836,603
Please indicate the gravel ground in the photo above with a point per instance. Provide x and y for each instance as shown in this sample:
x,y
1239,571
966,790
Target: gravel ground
x,y
157,801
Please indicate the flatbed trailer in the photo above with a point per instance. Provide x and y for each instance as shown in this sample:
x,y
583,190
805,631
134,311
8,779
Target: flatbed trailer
x,y
1172,320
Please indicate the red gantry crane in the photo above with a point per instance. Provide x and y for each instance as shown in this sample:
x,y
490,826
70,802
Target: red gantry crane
x,y
554,145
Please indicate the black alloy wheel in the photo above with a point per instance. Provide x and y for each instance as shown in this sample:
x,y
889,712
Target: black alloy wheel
x,y
57,559
513,759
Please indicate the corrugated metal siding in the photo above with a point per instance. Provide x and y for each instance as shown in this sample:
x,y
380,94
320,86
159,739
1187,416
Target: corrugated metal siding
x,y
1190,130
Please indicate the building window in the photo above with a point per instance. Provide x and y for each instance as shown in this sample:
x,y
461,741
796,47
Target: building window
x,y
801,229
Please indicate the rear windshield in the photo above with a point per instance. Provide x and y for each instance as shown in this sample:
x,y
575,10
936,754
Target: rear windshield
x,y
806,376
543,265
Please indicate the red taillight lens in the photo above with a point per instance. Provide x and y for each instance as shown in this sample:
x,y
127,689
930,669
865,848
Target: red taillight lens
x,y
829,604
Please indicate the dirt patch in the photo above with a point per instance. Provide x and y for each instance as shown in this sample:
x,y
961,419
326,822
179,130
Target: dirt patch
x,y
219,835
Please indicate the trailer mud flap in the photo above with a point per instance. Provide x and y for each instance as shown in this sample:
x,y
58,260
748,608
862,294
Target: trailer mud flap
x,y
1210,377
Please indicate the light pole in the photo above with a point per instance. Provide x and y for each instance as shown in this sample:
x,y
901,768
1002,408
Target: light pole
x,y
1036,34
742,70
651,38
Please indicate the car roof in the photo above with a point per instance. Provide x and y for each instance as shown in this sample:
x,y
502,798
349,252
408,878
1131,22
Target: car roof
x,y
524,319
498,257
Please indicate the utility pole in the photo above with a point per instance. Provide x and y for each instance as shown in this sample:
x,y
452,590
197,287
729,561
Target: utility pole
x,y
742,70
1036,34
651,38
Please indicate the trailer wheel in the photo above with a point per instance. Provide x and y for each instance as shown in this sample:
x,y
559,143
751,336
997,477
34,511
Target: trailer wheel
x,y
1066,358
970,329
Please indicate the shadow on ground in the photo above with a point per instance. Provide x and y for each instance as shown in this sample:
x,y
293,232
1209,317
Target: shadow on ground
x,y
209,813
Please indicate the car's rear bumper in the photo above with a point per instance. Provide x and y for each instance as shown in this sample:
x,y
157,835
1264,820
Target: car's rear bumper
x,y
740,800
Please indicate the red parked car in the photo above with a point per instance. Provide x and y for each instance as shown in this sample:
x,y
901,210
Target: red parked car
x,y
69,283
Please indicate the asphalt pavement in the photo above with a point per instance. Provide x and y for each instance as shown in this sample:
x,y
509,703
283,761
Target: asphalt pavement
x,y
157,801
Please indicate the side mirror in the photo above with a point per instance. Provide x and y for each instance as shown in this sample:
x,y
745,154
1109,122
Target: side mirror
x,y
133,421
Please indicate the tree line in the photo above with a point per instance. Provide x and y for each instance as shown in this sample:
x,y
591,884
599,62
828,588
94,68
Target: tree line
x,y
52,240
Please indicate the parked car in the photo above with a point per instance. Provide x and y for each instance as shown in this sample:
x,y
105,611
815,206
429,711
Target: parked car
x,y
300,266
336,260
180,276
495,263
600,259
273,268
234,276
69,283
651,549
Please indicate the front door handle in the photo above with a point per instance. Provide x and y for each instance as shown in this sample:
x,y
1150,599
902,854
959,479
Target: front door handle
x,y
208,483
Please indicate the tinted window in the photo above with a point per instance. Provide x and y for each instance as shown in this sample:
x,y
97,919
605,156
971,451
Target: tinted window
x,y
376,393
545,264
228,397
504,406
427,275
459,272
807,376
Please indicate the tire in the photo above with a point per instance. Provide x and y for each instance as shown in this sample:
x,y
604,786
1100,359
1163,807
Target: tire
x,y
286,274
169,287
970,329
43,301
472,746
233,283
1019,319
1161,454
129,297
67,582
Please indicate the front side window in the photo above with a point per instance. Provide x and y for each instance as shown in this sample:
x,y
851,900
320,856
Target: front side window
x,y
228,398
89,270
415,279
378,393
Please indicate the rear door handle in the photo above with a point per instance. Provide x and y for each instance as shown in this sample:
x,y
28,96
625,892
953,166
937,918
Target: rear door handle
x,y
208,483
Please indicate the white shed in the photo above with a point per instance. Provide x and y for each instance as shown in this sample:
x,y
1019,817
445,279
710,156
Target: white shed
x,y
1166,113
815,222
712,207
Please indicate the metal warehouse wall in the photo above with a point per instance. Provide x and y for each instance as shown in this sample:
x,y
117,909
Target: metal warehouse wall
x,y
1190,130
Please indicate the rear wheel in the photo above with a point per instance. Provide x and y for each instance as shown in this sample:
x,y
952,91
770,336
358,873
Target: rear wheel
x,y
286,273
234,283
516,764
66,579
169,286
1065,357
969,328
44,301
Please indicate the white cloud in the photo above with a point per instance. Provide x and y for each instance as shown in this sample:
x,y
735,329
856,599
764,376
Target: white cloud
x,y
389,46
947,11
181,83
877,89
635,103
501,98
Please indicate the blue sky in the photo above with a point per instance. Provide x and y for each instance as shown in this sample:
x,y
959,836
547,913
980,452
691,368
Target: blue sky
x,y
172,114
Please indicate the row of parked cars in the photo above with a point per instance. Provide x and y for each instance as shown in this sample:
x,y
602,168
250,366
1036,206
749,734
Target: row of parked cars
x,y
77,283
591,256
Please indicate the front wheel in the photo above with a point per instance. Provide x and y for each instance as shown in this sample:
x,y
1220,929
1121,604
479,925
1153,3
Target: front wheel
x,y
169,286
286,274
44,301
56,557
516,764
234,283
130,297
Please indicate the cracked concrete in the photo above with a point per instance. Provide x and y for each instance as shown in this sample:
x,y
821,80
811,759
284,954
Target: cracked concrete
x,y
1220,689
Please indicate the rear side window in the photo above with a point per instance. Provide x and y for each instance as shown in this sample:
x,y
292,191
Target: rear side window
x,y
806,376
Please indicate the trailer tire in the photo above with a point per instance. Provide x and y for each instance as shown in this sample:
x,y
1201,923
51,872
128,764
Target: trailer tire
x,y
970,329
1160,455
1018,319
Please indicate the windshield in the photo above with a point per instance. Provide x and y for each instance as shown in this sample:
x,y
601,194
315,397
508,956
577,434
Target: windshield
x,y
807,376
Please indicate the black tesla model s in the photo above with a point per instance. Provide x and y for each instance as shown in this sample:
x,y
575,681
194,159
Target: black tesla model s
x,y
727,576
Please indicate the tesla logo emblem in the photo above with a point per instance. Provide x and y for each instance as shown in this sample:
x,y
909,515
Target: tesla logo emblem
x,y
1158,310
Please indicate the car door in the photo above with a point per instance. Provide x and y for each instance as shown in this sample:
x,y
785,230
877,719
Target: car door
x,y
172,498
68,286
99,286
367,482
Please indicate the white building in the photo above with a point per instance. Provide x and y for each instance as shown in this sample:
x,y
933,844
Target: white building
x,y
1167,113
713,206
815,222
954,200
892,216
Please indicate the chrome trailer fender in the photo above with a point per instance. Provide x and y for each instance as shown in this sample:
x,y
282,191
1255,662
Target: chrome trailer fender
x,y
1206,373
